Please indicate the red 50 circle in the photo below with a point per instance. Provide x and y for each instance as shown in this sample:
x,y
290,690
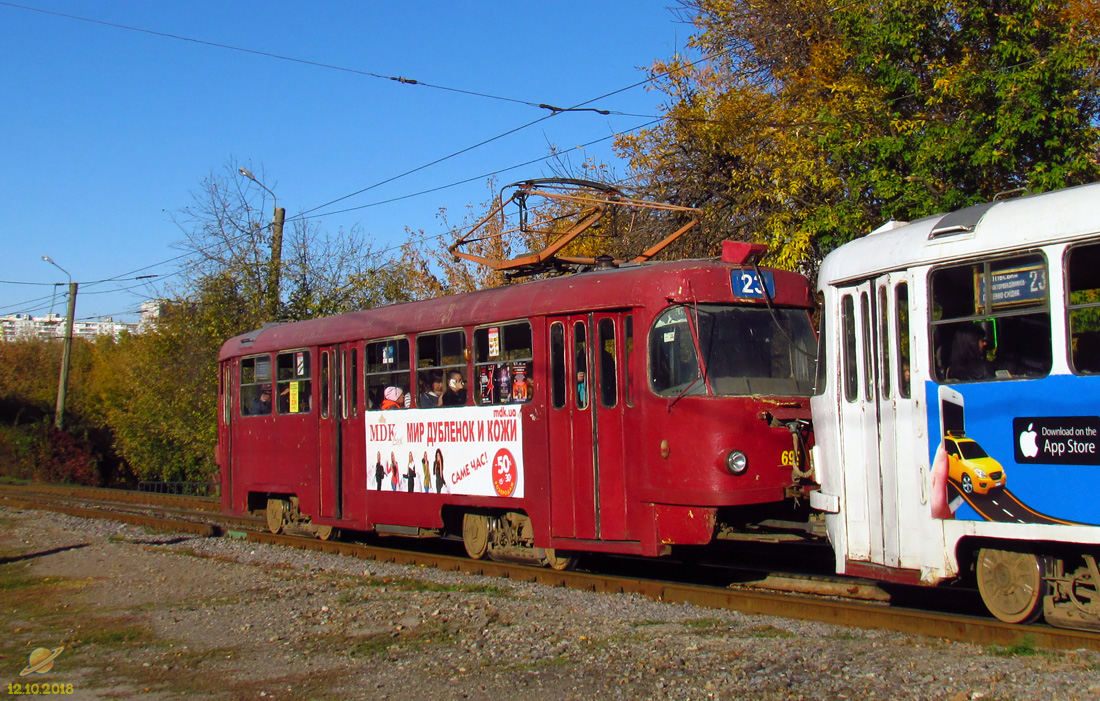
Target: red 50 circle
x,y
505,472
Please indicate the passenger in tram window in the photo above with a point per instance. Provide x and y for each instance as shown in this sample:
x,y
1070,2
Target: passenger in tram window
x,y
410,474
379,472
456,389
261,404
394,398
427,473
968,355
582,389
432,396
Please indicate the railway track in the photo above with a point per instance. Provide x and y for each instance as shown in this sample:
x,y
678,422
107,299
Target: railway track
x,y
827,600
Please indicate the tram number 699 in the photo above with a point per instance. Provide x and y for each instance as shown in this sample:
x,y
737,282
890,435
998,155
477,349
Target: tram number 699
x,y
786,458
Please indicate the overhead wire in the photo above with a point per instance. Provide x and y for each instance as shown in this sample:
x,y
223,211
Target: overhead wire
x,y
579,107
317,64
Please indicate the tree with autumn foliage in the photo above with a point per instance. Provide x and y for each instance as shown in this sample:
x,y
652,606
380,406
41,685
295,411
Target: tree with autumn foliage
x,y
808,124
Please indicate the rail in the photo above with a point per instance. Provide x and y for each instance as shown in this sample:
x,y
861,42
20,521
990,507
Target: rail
x,y
860,614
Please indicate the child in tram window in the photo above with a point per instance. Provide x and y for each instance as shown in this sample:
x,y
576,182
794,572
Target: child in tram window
x,y
394,398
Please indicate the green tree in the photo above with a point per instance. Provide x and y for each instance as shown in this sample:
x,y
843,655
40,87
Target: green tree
x,y
809,125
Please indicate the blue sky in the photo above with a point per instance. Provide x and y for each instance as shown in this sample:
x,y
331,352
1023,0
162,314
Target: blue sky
x,y
107,131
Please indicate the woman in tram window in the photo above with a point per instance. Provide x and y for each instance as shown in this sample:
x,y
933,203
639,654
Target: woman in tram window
x,y
968,359
432,396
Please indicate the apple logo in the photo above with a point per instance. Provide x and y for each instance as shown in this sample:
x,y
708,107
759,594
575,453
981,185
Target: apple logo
x,y
1028,444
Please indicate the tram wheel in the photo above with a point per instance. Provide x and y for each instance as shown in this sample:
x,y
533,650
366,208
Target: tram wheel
x,y
325,532
560,562
1011,584
277,510
968,484
475,535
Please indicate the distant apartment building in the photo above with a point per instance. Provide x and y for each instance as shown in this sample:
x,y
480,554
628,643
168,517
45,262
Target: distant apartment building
x,y
16,327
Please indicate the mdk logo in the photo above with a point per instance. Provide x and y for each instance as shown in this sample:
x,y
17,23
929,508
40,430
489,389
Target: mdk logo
x,y
41,660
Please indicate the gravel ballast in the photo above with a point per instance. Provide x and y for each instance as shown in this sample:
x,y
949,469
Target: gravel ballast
x,y
166,616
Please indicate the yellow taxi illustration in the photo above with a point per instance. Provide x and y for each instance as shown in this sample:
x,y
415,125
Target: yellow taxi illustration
x,y
971,467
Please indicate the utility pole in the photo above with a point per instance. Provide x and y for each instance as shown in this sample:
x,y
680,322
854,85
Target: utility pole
x,y
275,269
63,382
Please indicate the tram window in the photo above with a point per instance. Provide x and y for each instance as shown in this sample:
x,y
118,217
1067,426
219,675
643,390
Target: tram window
x,y
884,341
227,403
821,377
991,320
557,365
747,351
1083,287
628,351
293,387
503,363
437,356
353,380
256,386
580,365
865,327
606,351
901,293
851,367
342,377
673,363
386,366
326,379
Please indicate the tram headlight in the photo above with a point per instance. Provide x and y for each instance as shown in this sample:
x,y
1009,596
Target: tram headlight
x,y
737,462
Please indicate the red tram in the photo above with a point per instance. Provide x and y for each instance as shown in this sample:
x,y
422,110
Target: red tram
x,y
623,410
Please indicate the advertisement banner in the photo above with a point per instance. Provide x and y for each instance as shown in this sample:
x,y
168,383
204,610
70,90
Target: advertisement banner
x,y
1021,451
474,451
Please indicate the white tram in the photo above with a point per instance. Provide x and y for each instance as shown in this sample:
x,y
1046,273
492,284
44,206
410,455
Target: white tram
x,y
957,410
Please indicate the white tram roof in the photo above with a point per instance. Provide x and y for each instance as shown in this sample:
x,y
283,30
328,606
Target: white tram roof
x,y
990,228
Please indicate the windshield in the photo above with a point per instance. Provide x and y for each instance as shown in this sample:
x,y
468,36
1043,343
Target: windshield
x,y
747,351
971,450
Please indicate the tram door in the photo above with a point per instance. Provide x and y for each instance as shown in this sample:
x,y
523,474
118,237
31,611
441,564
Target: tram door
x,y
226,392
587,475
330,478
874,410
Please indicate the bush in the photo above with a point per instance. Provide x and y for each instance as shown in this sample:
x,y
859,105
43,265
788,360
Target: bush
x,y
41,453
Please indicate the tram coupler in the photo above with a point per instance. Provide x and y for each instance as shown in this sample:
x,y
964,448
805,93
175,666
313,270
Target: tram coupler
x,y
800,429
